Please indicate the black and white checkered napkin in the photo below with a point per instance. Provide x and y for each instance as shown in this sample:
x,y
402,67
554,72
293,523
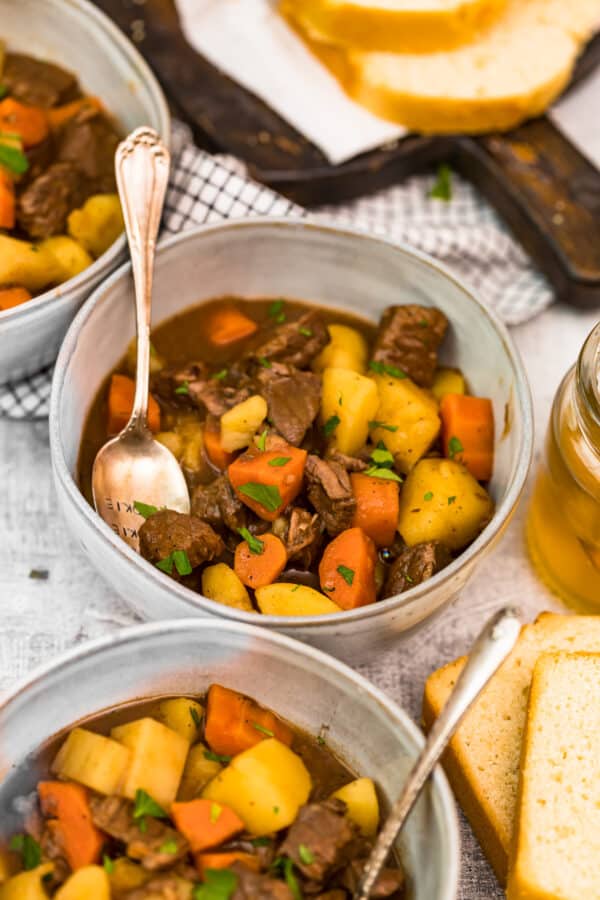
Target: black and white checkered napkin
x,y
464,233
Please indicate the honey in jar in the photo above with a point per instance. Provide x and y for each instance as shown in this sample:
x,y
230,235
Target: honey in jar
x,y
563,524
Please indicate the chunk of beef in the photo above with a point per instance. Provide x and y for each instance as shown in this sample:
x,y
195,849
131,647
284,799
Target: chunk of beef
x,y
389,884
408,338
167,531
252,886
114,816
330,492
88,141
293,399
38,83
349,463
46,202
39,158
331,838
214,395
51,842
304,537
217,504
335,894
415,565
295,343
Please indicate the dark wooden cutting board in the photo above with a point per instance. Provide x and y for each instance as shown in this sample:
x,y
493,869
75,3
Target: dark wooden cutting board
x,y
546,191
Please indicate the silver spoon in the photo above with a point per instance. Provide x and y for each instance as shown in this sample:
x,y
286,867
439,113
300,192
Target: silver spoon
x,y
489,651
133,467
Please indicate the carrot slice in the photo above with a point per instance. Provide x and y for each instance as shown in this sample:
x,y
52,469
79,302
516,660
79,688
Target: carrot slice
x,y
219,457
468,433
11,297
228,325
377,507
205,824
261,561
7,200
120,403
268,482
68,805
347,569
235,723
29,122
61,114
205,861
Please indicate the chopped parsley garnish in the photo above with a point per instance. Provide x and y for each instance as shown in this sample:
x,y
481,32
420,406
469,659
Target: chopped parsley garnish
x,y
423,323
384,369
219,376
217,757
280,461
177,558
346,573
195,716
3,91
253,542
219,884
276,311
305,332
295,588
261,441
454,447
330,425
306,855
276,810
13,159
144,806
263,730
266,495
321,741
28,847
442,189
265,363
381,456
291,880
215,812
39,574
109,864
383,425
408,578
428,496
386,474
144,509
451,500
261,842
183,388
170,846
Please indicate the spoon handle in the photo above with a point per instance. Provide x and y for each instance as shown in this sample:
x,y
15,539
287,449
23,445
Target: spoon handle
x,y
142,170
491,648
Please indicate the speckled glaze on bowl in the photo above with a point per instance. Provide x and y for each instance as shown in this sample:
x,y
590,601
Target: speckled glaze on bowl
x,y
75,34
369,732
328,265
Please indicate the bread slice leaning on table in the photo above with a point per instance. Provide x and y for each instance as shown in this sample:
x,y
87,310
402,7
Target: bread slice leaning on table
x,y
556,851
483,760
513,70
395,26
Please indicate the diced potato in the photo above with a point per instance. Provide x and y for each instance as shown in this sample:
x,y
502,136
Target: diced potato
x,y
69,257
362,805
414,415
172,441
221,583
97,224
9,864
127,876
441,501
27,885
352,398
91,881
197,773
347,349
192,434
92,760
265,785
157,361
182,715
448,381
38,266
240,423
281,599
157,761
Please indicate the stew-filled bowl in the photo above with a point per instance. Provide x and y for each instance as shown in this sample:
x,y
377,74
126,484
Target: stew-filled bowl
x,y
332,493
210,750
72,86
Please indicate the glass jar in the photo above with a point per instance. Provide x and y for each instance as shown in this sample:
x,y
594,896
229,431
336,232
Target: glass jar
x,y
563,524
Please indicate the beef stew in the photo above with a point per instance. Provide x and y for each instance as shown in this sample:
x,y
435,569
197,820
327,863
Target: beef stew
x,y
59,210
191,799
323,477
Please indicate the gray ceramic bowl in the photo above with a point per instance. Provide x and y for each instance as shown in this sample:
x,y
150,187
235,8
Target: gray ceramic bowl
x,y
76,34
340,268
364,728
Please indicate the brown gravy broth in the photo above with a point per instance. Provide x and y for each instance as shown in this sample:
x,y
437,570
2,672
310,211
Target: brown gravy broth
x,y
182,339
327,771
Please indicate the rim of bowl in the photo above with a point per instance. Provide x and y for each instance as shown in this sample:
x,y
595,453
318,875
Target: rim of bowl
x,y
136,633
101,22
195,601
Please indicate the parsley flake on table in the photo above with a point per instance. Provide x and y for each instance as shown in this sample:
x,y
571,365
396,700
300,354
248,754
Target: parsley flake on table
x,y
346,573
266,494
219,884
454,447
39,574
330,425
442,189
255,545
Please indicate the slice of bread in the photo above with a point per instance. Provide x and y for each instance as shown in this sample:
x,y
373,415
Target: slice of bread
x,y
483,759
557,847
394,26
514,70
